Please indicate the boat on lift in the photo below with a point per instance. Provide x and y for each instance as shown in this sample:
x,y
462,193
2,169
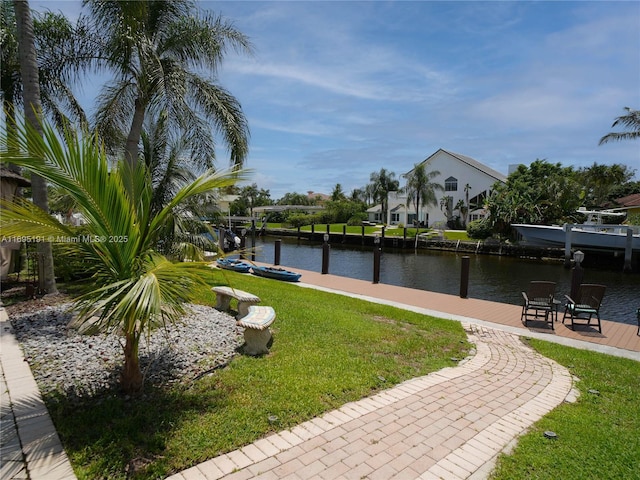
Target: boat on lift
x,y
591,235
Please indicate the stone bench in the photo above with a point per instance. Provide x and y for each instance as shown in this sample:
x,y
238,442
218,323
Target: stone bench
x,y
256,329
225,294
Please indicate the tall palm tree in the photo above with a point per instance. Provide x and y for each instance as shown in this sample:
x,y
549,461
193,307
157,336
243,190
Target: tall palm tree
x,y
157,51
56,49
631,121
133,289
467,189
167,162
33,114
383,182
421,189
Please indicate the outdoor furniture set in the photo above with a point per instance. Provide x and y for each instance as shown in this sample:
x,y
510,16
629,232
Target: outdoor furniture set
x,y
540,304
255,319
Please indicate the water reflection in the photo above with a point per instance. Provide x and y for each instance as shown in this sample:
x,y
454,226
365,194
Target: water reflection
x,y
494,278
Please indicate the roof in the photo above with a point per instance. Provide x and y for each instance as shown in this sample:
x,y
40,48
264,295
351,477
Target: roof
x,y
472,162
12,176
632,200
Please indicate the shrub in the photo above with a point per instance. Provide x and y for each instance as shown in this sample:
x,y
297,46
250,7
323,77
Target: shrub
x,y
357,219
479,229
68,264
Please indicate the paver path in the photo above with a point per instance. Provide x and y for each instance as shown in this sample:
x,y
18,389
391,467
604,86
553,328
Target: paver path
x,y
450,424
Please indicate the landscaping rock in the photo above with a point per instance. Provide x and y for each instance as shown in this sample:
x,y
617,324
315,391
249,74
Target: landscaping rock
x,y
64,360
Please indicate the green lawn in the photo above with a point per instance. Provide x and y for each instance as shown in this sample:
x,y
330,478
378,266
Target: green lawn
x,y
390,231
328,350
598,437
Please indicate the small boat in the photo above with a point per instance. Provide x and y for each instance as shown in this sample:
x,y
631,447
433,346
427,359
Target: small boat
x,y
234,264
277,273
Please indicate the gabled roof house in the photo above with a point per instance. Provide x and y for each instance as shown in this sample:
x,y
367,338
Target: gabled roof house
x,y
458,173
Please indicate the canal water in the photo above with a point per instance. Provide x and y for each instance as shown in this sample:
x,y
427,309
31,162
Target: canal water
x,y
495,278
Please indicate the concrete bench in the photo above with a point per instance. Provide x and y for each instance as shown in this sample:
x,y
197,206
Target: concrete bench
x,y
256,329
225,294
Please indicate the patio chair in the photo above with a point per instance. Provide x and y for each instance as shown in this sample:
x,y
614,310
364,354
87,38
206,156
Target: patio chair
x,y
539,303
585,305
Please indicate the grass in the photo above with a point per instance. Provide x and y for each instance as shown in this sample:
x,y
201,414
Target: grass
x,y
390,231
598,436
328,350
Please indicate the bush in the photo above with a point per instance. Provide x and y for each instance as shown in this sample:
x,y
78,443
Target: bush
x,y
633,219
68,262
299,220
357,219
479,229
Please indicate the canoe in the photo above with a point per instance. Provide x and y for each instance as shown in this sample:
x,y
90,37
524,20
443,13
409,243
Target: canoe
x,y
234,264
276,273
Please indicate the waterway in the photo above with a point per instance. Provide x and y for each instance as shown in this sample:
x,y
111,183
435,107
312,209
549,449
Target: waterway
x,y
494,278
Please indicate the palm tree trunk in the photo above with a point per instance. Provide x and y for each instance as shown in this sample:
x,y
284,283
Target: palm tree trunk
x,y
133,139
33,114
415,246
131,379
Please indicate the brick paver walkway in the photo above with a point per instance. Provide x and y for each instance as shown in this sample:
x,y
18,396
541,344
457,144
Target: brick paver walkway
x,y
449,424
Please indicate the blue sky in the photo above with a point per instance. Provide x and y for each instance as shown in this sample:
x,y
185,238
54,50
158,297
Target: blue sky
x,y
337,90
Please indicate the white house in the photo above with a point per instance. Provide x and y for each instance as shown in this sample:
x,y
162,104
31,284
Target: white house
x,y
456,172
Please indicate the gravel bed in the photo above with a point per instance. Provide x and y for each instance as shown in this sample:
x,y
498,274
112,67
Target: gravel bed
x,y
79,365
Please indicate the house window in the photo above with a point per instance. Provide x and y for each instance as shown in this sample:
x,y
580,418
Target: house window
x,y
451,184
395,217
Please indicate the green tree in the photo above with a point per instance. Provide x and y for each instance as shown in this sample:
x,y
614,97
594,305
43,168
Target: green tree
x,y
133,289
337,194
623,190
542,193
599,180
421,189
630,121
55,46
446,205
158,52
167,161
382,183
294,198
341,211
467,189
250,197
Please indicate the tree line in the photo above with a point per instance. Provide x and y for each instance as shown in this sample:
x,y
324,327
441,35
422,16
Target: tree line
x,y
540,193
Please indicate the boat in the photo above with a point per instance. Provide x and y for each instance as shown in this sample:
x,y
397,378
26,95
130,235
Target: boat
x,y
234,264
591,235
276,273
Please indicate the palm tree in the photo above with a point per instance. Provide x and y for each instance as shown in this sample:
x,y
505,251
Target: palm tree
x,y
631,121
382,183
446,205
33,114
167,162
467,189
420,188
133,289
337,193
56,50
157,51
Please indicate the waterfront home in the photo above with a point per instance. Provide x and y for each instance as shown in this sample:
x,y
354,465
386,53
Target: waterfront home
x,y
459,175
629,204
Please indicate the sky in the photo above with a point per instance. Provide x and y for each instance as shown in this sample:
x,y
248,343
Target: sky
x,y
337,90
